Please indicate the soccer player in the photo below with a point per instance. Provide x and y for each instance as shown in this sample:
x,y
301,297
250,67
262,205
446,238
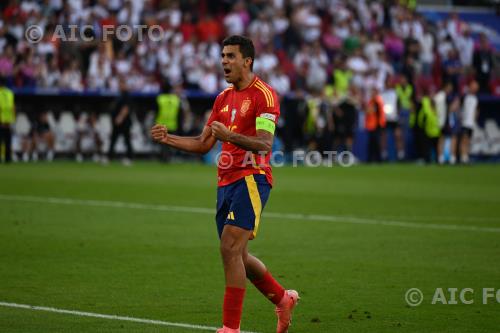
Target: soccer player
x,y
243,118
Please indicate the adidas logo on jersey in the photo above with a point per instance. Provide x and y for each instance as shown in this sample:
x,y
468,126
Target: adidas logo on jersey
x,y
225,109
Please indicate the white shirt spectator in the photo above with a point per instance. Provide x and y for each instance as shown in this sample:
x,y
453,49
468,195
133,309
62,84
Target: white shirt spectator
x,y
302,57
465,45
135,80
45,47
71,79
280,82
234,24
123,66
266,62
372,49
444,48
56,4
261,29
99,66
383,71
115,5
357,64
210,51
343,31
312,28
440,102
469,111
280,23
209,80
417,31
390,99
28,6
427,48
403,29
50,77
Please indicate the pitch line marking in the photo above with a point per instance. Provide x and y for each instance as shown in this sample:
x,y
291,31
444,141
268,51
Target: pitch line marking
x,y
290,216
111,317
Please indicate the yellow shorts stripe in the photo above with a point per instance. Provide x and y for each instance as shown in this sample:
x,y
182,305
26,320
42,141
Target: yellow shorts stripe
x,y
253,191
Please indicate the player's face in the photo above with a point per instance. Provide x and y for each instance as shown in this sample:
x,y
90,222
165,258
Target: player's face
x,y
233,63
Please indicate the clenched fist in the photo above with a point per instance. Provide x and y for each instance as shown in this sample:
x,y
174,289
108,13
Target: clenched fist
x,y
159,133
220,131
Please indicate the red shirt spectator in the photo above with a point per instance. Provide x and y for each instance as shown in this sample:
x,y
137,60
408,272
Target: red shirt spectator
x,y
207,28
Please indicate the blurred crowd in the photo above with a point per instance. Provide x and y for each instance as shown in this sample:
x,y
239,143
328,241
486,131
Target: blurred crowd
x,y
298,44
349,61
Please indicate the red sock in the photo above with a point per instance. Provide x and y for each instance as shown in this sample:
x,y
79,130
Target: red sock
x,y
233,306
270,288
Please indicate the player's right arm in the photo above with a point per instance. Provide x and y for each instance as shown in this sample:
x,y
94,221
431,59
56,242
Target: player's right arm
x,y
200,144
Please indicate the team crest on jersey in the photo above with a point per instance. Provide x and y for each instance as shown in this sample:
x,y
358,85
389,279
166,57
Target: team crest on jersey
x,y
245,106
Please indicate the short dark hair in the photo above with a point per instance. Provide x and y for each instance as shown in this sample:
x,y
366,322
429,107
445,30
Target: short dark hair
x,y
246,46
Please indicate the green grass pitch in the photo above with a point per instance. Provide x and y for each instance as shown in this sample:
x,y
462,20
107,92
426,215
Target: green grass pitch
x,y
366,236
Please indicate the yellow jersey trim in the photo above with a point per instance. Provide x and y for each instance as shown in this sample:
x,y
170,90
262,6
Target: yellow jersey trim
x,y
267,93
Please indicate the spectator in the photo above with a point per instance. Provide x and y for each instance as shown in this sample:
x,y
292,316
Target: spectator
x,y
122,122
7,60
465,43
470,113
236,19
428,120
7,118
169,111
50,76
41,135
71,78
393,125
86,127
483,63
426,51
280,81
447,105
374,124
452,68
344,120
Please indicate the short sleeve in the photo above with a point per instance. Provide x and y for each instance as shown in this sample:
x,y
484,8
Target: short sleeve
x,y
215,112
267,105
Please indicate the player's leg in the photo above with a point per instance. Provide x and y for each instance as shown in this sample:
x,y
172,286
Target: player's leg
x,y
128,142
50,140
464,146
261,278
2,140
232,244
400,145
8,145
453,149
252,201
114,137
255,269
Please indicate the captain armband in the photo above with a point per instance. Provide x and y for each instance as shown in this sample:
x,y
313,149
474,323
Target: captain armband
x,y
265,124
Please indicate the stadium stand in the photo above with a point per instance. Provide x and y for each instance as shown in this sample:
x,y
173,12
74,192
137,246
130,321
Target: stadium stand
x,y
299,46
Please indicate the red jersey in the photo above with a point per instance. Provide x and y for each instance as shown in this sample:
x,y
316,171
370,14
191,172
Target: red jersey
x,y
238,111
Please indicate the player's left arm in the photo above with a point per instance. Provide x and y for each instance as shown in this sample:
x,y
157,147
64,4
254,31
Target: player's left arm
x,y
261,143
267,106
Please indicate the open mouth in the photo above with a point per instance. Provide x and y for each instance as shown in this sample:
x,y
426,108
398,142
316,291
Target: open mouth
x,y
227,71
